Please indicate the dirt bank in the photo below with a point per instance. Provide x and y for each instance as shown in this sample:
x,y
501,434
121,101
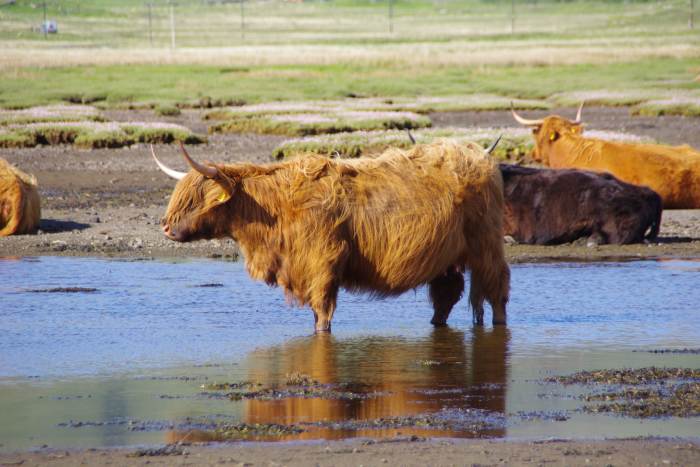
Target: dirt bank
x,y
108,202
390,452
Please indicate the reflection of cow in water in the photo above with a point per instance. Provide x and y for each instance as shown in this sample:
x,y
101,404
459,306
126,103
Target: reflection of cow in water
x,y
402,376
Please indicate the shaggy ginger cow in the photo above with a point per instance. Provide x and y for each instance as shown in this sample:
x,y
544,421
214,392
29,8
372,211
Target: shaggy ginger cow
x,y
383,226
671,171
20,210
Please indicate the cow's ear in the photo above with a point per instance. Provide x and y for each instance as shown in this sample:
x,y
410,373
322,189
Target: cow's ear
x,y
553,135
223,196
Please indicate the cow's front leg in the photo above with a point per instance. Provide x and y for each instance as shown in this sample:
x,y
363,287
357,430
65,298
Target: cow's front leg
x,y
323,305
323,291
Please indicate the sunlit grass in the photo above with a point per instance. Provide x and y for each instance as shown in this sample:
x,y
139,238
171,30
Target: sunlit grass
x,y
95,134
301,124
515,145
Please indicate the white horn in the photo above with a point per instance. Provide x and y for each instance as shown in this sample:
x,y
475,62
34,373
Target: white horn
x,y
207,171
524,121
490,149
578,114
170,172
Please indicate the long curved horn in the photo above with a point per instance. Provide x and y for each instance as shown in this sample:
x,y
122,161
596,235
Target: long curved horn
x,y
490,149
170,172
410,136
207,171
578,114
524,121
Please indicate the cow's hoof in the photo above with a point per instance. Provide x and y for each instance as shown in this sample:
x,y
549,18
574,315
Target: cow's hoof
x,y
438,323
499,322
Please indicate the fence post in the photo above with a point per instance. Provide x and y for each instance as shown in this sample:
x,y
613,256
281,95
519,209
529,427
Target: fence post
x,y
172,25
242,20
43,25
150,23
391,16
690,17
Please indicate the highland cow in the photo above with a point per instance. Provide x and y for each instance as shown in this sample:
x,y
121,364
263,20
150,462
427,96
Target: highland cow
x,y
20,209
549,207
671,171
384,225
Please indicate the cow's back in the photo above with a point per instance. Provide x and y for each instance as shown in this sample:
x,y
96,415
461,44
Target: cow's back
x,y
411,210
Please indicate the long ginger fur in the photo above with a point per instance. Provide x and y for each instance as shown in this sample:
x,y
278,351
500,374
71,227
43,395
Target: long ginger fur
x,y
382,226
20,207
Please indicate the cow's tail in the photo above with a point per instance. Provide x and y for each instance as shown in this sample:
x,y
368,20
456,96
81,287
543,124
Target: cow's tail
x,y
655,225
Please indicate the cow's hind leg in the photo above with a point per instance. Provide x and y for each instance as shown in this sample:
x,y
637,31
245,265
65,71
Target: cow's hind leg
x,y
445,291
490,280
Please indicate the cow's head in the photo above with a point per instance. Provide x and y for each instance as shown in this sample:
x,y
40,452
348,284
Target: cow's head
x,y
549,130
199,204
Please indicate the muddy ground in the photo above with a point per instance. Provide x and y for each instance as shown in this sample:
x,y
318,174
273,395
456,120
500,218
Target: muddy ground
x,y
108,202
401,451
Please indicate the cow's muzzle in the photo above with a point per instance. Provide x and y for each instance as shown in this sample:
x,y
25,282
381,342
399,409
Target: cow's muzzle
x,y
171,232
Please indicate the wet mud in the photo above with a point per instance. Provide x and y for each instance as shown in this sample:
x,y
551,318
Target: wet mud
x,y
108,202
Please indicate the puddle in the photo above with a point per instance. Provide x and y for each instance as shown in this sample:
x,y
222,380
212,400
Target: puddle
x,y
160,353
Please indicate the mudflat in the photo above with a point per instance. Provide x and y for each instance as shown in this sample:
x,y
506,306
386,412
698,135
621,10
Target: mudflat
x,y
108,202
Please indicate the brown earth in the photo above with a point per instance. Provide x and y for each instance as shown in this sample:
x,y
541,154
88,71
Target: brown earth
x,y
405,452
108,202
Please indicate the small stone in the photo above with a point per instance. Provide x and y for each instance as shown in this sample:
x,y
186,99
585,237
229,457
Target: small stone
x,y
509,240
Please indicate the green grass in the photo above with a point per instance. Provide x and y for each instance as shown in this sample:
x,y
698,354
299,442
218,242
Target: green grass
x,y
167,110
515,145
321,123
182,84
95,135
687,108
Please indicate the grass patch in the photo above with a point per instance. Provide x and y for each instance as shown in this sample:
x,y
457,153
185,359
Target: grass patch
x,y
604,97
50,113
321,123
95,134
686,106
167,110
186,84
421,105
515,145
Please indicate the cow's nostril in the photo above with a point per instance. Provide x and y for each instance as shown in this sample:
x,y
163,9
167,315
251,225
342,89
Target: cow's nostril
x,y
166,228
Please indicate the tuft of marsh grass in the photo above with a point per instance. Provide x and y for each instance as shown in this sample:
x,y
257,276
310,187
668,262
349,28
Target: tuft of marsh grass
x,y
50,113
686,106
605,97
95,134
515,145
421,105
167,110
304,124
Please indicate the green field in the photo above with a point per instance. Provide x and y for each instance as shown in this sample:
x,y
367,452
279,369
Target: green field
x,y
106,53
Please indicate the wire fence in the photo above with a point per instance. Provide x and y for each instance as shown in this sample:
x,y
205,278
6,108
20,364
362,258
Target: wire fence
x,y
201,23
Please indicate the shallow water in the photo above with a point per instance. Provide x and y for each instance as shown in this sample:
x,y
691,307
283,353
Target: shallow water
x,y
124,364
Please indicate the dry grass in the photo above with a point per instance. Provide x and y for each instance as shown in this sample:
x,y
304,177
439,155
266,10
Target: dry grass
x,y
531,52
303,124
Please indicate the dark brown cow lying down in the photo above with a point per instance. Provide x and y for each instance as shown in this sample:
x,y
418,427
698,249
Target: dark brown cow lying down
x,y
548,207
